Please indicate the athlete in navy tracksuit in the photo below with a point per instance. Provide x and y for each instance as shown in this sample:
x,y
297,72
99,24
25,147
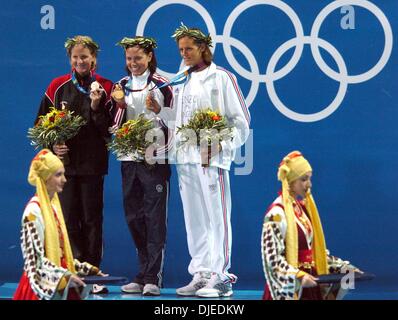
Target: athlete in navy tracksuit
x,y
145,187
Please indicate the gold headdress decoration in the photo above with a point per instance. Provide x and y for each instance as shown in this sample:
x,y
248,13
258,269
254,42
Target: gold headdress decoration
x,y
292,167
144,42
43,166
197,34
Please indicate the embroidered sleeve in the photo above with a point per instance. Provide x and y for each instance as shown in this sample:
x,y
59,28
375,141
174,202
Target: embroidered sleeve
x,y
280,276
85,269
44,276
336,264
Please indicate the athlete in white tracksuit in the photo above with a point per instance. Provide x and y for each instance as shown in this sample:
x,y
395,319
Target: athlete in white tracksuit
x,y
205,191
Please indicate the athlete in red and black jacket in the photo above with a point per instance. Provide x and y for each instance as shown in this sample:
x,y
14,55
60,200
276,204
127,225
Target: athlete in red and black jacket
x,y
82,197
87,150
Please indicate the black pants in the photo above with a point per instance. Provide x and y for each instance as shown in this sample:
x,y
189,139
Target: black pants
x,y
82,204
145,195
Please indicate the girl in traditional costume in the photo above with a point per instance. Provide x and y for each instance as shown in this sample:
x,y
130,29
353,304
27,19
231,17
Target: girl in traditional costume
x,y
50,271
293,244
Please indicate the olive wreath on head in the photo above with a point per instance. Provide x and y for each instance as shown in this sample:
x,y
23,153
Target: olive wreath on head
x,y
197,34
144,42
84,40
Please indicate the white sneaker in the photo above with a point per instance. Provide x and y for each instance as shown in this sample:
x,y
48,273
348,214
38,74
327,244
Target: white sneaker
x,y
199,280
132,288
151,290
215,288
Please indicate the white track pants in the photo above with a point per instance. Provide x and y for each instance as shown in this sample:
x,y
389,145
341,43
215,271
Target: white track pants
x,y
206,200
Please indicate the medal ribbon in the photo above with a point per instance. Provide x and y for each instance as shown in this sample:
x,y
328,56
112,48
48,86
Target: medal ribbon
x,y
180,78
77,84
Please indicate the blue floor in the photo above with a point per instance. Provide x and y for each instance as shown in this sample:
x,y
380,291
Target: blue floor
x,y
362,292
7,290
376,291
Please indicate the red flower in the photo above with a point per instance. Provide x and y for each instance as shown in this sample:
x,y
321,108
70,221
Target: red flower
x,y
61,114
215,118
51,119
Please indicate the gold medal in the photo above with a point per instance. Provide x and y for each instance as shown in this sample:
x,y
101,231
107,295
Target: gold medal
x,y
118,93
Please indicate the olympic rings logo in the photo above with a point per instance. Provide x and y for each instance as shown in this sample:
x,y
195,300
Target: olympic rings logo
x,y
298,42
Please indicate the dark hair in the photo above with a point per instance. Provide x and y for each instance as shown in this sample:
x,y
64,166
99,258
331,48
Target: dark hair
x,y
152,65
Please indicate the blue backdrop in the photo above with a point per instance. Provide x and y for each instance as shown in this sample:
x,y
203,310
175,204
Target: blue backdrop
x,y
337,104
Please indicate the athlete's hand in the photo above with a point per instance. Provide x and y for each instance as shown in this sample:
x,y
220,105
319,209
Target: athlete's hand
x,y
60,150
118,95
151,103
207,153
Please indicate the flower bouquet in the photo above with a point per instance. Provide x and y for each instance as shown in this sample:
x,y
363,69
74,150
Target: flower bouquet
x,y
206,127
56,127
130,138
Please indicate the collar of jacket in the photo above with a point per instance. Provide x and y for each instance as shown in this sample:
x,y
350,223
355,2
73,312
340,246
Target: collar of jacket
x,y
211,70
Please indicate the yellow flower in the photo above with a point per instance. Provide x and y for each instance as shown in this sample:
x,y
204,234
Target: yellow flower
x,y
211,114
55,126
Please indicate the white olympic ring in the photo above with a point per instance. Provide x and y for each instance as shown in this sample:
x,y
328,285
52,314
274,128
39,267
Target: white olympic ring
x,y
298,42
335,103
387,34
162,3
